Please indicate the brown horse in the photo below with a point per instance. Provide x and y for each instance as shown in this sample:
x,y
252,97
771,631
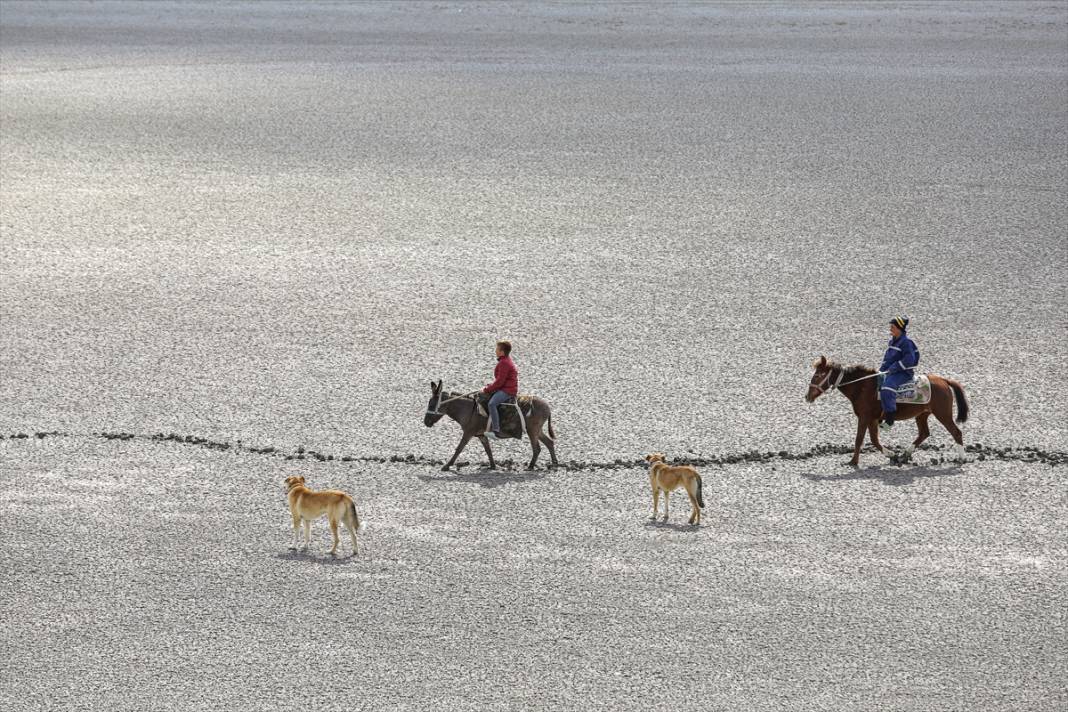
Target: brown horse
x,y
858,384
464,410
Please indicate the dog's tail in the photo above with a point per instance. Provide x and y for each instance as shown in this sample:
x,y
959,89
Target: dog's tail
x,y
355,517
700,496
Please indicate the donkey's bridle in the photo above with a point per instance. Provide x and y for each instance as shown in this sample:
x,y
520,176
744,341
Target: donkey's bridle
x,y
441,401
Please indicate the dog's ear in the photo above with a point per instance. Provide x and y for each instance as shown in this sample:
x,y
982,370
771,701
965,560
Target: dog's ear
x,y
301,479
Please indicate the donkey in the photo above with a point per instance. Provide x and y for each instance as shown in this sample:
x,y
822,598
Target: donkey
x,y
464,410
857,383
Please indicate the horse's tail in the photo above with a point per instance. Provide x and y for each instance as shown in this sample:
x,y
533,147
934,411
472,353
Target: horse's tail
x,y
962,401
700,497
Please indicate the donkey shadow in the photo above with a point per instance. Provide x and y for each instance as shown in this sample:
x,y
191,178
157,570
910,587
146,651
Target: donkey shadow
x,y
890,475
485,477
322,559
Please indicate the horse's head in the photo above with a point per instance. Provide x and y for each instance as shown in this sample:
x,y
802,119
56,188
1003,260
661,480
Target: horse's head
x,y
821,378
433,415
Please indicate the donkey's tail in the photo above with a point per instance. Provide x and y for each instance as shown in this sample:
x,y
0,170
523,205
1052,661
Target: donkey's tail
x,y
700,496
962,401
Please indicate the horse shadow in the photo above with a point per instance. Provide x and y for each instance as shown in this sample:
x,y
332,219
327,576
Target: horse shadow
x,y
311,557
485,477
889,475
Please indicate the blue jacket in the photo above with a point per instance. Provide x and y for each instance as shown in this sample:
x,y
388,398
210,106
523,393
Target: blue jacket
x,y
900,354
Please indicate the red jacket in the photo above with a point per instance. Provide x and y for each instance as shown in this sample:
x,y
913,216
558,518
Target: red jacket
x,y
505,377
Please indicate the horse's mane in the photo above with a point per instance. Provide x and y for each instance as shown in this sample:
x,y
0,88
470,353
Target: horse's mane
x,y
855,371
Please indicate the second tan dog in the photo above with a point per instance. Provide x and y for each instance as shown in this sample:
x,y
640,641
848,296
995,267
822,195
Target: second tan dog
x,y
667,478
307,505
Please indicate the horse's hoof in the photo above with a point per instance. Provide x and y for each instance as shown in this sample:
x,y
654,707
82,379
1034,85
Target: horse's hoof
x,y
854,463
445,469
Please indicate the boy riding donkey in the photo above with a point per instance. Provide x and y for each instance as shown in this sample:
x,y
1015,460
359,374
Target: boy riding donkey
x,y
505,386
901,358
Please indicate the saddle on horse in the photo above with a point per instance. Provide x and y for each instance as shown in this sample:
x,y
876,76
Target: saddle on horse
x,y
916,392
513,414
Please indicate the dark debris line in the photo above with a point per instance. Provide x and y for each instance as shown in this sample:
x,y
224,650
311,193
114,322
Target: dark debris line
x,y
979,451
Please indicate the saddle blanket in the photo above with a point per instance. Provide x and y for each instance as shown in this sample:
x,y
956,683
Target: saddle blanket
x,y
915,392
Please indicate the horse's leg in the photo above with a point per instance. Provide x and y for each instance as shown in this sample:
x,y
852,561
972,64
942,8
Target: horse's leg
x,y
873,435
459,448
861,428
945,417
489,453
921,425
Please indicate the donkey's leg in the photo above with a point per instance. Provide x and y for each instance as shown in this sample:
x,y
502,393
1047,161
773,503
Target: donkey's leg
x,y
532,436
489,453
459,448
548,442
861,427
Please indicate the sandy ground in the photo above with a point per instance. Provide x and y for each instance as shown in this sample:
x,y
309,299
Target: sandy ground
x,y
275,223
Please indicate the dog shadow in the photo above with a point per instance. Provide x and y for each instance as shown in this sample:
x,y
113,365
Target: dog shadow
x,y
485,477
312,557
675,526
889,475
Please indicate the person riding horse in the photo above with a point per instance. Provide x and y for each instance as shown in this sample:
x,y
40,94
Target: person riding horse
x,y
504,387
900,360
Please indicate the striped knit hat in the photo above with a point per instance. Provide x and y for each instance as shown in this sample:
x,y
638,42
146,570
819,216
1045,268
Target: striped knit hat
x,y
901,322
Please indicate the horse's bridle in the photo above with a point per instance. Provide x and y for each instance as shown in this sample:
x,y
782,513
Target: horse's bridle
x,y
826,379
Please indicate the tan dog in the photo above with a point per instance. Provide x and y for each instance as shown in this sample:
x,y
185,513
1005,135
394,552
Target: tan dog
x,y
668,478
308,505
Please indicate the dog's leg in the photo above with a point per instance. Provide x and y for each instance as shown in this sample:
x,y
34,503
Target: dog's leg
x,y
307,533
352,534
333,532
656,501
667,499
296,531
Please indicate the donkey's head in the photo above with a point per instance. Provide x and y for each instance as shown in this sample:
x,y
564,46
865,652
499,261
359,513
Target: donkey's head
x,y
433,415
825,371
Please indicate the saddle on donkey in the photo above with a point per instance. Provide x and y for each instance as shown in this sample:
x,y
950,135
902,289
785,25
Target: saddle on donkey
x,y
513,413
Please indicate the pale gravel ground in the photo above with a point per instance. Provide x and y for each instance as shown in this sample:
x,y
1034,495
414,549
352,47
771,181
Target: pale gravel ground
x,y
278,222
